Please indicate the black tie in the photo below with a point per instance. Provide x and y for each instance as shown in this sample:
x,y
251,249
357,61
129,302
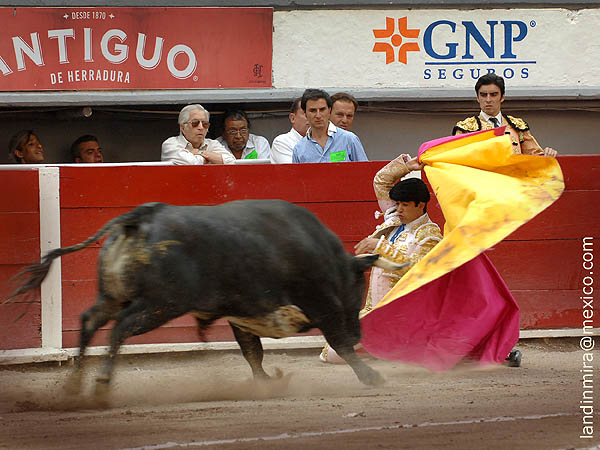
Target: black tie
x,y
494,121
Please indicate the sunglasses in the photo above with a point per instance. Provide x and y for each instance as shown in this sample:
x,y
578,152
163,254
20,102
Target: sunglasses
x,y
243,132
195,123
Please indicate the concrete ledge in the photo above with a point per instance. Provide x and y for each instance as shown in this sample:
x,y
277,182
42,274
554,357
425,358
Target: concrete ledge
x,y
274,95
313,4
37,355
558,333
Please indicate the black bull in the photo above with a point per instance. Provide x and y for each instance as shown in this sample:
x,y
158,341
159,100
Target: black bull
x,y
270,268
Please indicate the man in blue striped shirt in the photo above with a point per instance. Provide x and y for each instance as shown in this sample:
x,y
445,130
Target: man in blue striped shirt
x,y
324,142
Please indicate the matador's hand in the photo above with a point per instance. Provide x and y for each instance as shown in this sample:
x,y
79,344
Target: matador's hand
x,y
413,163
367,245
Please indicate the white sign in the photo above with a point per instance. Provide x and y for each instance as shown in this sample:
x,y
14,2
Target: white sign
x,y
435,48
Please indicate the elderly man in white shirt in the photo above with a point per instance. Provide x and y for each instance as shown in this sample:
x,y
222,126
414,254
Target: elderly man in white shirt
x,y
283,145
192,147
237,139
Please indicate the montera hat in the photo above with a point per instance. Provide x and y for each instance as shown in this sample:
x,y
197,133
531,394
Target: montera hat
x,y
410,190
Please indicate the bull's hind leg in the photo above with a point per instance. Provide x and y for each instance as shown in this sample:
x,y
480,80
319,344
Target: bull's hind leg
x,y
138,318
203,323
94,318
91,320
252,350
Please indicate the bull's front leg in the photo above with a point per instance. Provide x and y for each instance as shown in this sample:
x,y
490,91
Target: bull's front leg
x,y
252,350
344,346
364,373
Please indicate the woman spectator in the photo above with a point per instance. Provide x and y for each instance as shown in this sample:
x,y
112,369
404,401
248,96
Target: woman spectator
x,y
25,148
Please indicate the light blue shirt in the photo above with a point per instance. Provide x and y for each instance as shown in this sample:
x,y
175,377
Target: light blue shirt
x,y
341,146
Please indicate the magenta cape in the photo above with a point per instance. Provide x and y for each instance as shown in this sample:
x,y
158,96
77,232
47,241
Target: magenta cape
x,y
468,312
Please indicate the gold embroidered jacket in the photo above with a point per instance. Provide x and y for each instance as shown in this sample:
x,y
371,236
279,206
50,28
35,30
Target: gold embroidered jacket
x,y
522,139
413,243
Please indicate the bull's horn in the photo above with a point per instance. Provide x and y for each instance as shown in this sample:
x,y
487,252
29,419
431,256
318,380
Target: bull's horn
x,y
385,264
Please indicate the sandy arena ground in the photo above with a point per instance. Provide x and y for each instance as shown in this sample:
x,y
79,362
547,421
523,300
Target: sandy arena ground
x,y
207,400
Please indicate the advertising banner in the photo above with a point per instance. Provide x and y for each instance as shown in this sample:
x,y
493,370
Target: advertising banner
x,y
135,48
436,48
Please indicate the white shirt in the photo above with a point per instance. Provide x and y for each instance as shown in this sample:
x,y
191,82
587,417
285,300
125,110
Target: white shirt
x,y
178,150
258,143
331,130
488,117
283,147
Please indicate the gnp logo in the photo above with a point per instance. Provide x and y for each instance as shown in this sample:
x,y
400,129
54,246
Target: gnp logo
x,y
449,44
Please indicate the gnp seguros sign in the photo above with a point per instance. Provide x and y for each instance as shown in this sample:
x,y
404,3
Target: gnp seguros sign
x,y
436,48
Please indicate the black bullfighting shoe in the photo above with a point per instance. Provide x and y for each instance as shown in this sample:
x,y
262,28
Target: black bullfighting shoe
x,y
514,358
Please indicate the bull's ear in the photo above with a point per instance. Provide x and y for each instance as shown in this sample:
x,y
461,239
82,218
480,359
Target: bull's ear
x,y
364,261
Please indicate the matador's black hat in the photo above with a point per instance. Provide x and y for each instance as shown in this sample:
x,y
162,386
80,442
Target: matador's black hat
x,y
410,190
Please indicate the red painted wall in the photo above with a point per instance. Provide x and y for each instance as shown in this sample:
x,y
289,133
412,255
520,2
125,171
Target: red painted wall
x,y
340,194
19,246
541,262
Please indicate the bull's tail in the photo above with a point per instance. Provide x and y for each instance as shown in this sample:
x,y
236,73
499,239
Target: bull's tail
x,y
36,273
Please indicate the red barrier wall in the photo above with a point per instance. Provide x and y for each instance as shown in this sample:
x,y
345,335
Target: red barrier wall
x,y
19,246
340,194
541,262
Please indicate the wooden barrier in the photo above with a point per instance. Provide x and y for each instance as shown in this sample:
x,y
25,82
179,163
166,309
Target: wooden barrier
x,y
541,262
19,245
340,194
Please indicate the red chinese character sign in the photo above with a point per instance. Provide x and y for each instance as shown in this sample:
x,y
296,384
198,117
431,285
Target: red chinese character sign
x,y
135,48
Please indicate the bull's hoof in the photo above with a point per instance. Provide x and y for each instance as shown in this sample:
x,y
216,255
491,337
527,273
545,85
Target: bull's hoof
x,y
102,379
73,384
101,392
372,378
261,375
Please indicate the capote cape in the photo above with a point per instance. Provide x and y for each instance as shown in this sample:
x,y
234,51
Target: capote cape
x,y
453,304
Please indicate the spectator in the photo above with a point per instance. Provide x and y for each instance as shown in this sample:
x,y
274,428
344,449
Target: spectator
x,y
237,139
490,95
86,149
283,145
192,146
344,107
25,147
324,142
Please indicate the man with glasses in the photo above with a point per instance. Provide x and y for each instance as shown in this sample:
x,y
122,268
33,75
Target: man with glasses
x,y
192,147
237,139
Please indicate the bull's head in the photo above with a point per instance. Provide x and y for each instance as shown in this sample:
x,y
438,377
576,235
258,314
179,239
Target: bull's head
x,y
355,294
